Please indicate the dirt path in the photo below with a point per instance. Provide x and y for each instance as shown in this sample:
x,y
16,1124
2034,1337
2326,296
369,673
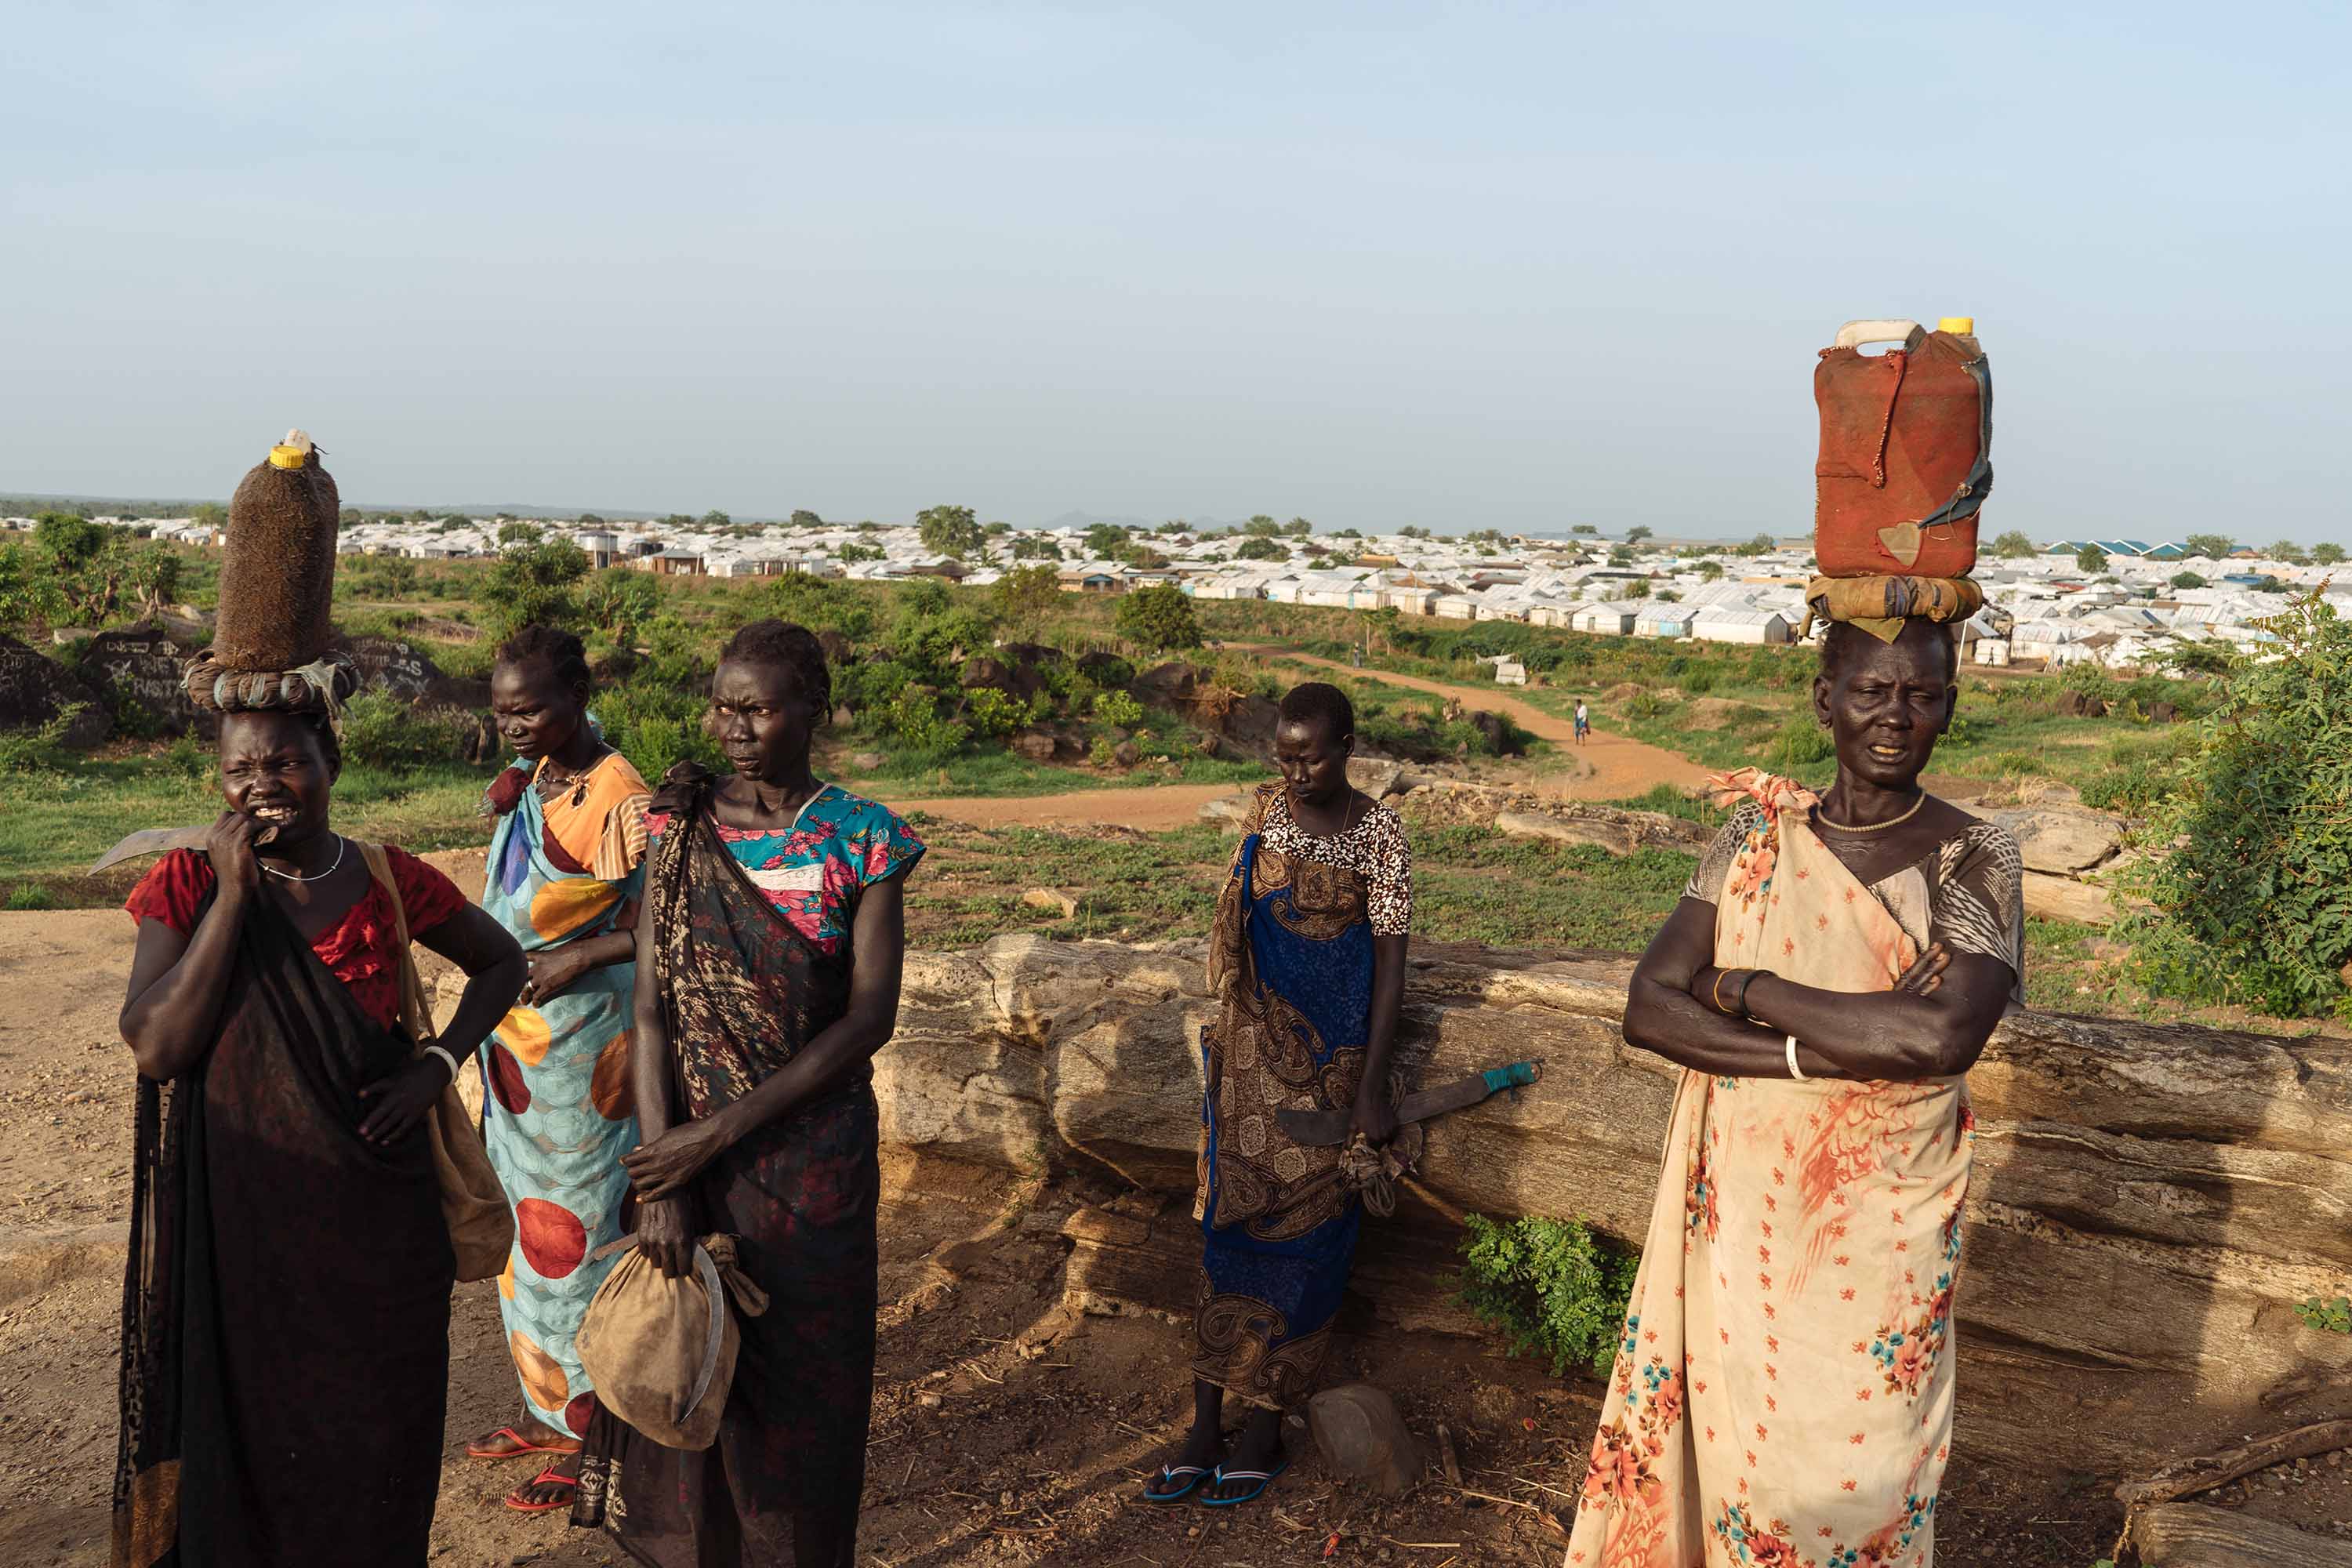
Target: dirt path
x,y
1149,808
1615,767
1007,1432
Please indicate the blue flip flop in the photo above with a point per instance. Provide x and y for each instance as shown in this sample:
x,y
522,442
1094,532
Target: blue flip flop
x,y
1264,1478
1176,1474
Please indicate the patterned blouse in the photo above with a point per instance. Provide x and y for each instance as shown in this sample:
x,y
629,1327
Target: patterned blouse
x,y
813,871
1374,847
362,949
1968,892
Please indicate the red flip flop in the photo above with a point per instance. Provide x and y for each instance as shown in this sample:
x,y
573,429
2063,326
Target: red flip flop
x,y
545,1476
522,1446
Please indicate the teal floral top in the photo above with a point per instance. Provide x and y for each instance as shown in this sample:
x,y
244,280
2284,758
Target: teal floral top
x,y
813,871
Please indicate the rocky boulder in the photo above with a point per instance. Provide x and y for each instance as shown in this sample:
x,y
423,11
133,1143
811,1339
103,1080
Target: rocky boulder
x,y
1502,740
1172,685
838,649
405,670
1037,745
982,670
143,664
2060,842
1105,669
1376,776
35,690
2148,1205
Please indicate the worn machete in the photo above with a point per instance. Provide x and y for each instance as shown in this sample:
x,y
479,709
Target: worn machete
x,y
1322,1128
162,841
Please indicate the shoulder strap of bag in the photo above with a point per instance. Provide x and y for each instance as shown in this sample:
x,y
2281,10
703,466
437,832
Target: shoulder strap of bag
x,y
416,1013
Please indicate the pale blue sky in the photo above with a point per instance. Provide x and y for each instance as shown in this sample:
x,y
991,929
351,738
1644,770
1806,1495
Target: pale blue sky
x,y
1461,266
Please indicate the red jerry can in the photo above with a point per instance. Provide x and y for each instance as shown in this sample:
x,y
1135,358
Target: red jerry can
x,y
1907,450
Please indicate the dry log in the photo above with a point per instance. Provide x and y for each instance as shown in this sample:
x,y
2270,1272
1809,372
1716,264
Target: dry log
x,y
2191,1535
2186,1478
2148,1205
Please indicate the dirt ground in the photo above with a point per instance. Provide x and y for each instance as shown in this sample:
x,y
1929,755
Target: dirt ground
x,y
1006,1430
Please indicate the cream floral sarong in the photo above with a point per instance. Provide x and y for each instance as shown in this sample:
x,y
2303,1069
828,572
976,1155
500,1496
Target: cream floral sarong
x,y
1783,1394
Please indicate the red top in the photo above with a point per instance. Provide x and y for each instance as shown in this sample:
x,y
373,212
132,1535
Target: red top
x,y
362,949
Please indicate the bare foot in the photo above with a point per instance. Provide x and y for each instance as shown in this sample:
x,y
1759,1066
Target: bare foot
x,y
1180,1472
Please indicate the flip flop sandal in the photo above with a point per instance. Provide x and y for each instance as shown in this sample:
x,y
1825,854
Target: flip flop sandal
x,y
1176,1474
544,1477
1264,1478
522,1446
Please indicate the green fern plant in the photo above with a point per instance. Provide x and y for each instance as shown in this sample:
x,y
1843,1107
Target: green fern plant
x,y
1551,1287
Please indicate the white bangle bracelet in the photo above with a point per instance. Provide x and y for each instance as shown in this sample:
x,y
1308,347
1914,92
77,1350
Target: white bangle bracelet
x,y
1795,1070
447,1060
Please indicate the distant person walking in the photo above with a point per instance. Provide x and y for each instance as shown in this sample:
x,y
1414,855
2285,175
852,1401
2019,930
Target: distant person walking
x,y
1583,723
1784,1390
1306,961
768,956
563,878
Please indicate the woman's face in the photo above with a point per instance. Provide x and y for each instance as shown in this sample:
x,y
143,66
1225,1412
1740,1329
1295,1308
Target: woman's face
x,y
1889,704
761,719
272,768
1313,760
537,713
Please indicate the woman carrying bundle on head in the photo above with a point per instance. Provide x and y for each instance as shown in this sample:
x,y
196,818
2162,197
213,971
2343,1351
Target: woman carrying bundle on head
x,y
1307,963
1783,1393
287,1310
563,880
769,954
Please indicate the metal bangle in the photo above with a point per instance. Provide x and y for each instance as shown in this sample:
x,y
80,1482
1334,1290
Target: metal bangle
x,y
1715,991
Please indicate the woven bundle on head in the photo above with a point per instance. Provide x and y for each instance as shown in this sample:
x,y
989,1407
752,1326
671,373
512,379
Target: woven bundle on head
x,y
1880,606
276,591
278,574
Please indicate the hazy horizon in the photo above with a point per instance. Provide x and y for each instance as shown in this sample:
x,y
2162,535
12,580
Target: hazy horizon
x,y
1376,266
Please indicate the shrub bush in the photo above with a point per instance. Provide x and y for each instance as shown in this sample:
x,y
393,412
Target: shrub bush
x,y
2253,888
1551,1286
384,731
1117,710
991,714
1800,742
655,725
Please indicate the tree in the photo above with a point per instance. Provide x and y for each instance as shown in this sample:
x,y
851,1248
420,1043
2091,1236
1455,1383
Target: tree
x,y
1762,544
2288,550
517,533
588,520
2012,546
1159,618
2213,546
715,519
2188,580
1635,535
2328,554
855,553
950,530
1298,527
1639,588
1261,550
997,530
1026,596
1586,529
1708,571
804,518
2090,560
1261,527
1030,548
532,583
211,514
1410,532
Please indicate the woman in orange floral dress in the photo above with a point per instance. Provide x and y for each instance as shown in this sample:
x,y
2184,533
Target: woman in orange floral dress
x,y
1783,1394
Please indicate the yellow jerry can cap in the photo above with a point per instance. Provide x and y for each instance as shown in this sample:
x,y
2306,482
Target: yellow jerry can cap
x,y
292,452
1962,324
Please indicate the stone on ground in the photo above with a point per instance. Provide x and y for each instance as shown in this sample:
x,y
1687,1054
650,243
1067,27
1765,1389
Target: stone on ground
x,y
1615,838
1362,1438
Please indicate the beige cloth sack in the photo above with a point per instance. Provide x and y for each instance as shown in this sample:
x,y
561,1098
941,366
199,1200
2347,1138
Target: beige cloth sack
x,y
480,1220
660,1353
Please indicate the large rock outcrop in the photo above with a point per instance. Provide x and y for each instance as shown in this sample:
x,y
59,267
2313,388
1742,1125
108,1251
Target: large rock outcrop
x,y
2148,1205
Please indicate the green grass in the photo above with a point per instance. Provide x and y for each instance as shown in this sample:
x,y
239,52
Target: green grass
x,y
60,819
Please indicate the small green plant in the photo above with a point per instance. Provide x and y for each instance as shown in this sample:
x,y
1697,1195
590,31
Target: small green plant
x,y
2335,1316
31,750
1802,742
991,714
380,729
31,895
1551,1286
1117,710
